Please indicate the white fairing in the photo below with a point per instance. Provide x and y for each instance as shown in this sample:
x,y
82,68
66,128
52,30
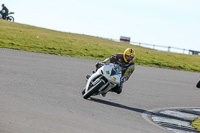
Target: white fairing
x,y
109,74
116,77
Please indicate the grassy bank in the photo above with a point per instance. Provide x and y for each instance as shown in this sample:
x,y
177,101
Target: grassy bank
x,y
30,38
196,124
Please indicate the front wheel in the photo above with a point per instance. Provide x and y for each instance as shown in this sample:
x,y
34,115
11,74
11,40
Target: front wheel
x,y
93,90
83,91
198,84
10,18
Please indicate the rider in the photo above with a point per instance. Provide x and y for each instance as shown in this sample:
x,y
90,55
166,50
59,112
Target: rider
x,y
5,9
124,60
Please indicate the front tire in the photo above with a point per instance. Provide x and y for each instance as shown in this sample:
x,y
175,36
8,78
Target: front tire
x,y
93,90
83,92
198,84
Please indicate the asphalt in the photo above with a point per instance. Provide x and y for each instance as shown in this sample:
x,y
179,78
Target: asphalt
x,y
41,93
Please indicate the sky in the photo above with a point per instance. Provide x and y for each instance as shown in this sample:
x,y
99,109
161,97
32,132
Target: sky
x,y
174,23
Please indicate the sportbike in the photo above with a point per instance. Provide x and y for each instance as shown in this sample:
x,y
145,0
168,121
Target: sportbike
x,y
103,80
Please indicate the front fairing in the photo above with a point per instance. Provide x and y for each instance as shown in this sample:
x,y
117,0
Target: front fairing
x,y
93,76
112,72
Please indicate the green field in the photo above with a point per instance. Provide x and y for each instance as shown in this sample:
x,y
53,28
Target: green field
x,y
35,39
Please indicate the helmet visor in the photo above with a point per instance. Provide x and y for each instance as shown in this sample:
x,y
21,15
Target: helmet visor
x,y
129,57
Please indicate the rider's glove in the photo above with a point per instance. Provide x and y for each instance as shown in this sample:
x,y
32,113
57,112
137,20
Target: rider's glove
x,y
100,64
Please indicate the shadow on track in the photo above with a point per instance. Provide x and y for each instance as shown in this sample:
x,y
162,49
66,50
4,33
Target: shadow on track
x,y
142,111
119,105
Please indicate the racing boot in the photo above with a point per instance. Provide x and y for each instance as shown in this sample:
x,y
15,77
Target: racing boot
x,y
117,89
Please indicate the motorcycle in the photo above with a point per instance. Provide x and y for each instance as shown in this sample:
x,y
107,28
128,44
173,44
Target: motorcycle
x,y
9,18
103,80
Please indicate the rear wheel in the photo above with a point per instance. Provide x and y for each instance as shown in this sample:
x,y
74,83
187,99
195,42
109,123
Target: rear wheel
x,y
10,18
93,90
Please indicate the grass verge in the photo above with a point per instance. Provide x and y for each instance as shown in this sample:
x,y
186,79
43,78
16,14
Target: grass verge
x,y
30,38
196,124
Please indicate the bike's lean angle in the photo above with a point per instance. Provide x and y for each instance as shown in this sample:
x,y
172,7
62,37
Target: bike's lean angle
x,y
103,80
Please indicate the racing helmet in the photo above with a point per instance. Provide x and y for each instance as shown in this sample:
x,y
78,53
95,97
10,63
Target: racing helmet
x,y
128,55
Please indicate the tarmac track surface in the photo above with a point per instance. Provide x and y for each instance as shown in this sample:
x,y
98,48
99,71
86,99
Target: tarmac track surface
x,y
41,93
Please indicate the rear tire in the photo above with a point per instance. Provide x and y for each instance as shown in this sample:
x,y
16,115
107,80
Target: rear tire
x,y
10,18
93,90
